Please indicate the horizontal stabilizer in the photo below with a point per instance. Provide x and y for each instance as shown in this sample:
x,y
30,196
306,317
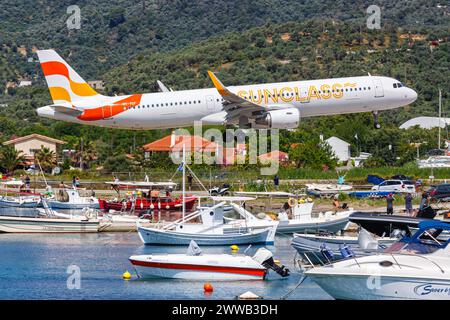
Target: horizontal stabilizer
x,y
68,110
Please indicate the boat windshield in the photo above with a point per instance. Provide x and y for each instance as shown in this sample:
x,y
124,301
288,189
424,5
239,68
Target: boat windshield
x,y
423,242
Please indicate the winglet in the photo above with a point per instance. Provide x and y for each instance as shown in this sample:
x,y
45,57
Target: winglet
x,y
218,84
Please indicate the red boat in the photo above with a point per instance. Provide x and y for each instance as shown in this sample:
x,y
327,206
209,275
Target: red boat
x,y
139,205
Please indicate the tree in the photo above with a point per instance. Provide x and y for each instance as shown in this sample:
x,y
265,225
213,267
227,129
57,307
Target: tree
x,y
46,158
86,153
313,154
11,158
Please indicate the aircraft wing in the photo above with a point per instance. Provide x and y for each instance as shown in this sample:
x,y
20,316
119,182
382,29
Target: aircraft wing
x,y
234,105
68,110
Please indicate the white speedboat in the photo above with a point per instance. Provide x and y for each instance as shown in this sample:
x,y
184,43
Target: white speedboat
x,y
210,231
303,221
212,267
328,187
412,268
71,199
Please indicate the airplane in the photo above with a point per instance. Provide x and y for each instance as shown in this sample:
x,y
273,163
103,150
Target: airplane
x,y
261,106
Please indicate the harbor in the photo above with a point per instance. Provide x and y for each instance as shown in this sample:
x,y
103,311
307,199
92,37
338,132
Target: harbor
x,y
221,159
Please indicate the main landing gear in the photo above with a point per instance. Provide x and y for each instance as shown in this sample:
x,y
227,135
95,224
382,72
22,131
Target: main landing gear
x,y
376,124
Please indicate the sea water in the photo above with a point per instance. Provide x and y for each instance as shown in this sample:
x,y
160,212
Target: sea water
x,y
90,266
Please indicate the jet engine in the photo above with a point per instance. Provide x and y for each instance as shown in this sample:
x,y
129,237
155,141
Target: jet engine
x,y
279,119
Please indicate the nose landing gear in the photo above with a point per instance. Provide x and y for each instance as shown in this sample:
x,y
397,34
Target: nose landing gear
x,y
376,124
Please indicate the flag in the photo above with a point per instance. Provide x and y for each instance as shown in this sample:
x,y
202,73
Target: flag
x,y
180,167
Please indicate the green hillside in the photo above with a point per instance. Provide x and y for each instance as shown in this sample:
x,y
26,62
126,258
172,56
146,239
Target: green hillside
x,y
113,31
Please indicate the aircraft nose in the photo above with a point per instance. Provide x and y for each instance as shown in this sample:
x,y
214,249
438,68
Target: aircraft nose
x,y
412,94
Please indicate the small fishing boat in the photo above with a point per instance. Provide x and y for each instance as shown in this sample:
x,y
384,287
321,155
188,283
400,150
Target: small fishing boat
x,y
15,197
210,231
416,267
194,265
146,197
322,249
49,223
71,199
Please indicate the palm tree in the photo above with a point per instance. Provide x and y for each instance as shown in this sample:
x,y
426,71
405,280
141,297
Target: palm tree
x,y
46,158
11,158
86,152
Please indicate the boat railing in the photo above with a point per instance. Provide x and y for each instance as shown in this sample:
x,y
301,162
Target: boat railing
x,y
420,256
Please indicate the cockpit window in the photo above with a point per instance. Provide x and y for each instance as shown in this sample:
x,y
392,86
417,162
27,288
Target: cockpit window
x,y
395,85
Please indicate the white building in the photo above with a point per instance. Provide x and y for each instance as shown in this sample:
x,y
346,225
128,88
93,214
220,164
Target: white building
x,y
426,123
340,148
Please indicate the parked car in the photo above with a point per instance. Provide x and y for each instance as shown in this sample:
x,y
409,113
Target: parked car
x,y
440,192
396,186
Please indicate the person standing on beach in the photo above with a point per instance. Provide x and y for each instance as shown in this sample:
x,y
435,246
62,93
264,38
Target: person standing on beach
x,y
408,203
189,177
423,201
27,183
390,203
276,182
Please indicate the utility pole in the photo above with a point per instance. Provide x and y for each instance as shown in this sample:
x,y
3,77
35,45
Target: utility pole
x,y
81,155
439,128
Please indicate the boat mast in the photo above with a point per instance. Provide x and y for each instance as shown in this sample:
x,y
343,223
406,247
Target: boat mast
x,y
439,127
184,179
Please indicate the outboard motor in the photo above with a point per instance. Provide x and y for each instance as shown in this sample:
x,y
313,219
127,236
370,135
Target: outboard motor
x,y
326,252
346,251
265,258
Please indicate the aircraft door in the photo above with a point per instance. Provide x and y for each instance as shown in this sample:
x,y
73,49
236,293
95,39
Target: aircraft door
x,y
379,92
210,103
107,110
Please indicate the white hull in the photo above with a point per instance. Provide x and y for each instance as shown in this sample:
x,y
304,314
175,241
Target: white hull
x,y
313,226
211,267
383,288
155,236
47,225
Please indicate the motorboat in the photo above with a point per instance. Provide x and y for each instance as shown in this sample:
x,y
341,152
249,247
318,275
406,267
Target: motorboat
x,y
416,267
211,230
330,187
383,224
194,265
49,223
325,248
146,197
302,219
71,199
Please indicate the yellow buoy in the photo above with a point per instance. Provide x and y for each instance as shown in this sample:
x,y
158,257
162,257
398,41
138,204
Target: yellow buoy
x,y
234,247
277,262
126,275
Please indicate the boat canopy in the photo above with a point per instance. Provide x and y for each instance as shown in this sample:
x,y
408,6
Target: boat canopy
x,y
141,184
425,240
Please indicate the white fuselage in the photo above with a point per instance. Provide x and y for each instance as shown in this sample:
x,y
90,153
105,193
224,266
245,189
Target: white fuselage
x,y
182,108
